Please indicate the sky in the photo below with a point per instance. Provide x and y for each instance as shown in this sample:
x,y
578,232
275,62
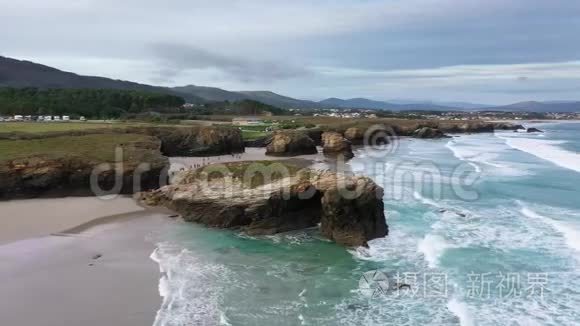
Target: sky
x,y
481,51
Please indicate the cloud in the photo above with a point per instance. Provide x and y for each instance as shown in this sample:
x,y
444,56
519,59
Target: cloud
x,y
375,48
461,73
175,58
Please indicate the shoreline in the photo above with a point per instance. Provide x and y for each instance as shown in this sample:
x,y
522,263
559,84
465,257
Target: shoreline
x,y
32,218
96,270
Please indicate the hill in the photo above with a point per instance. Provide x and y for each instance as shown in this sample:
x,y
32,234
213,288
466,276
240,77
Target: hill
x,y
278,100
18,74
210,94
543,107
363,103
214,94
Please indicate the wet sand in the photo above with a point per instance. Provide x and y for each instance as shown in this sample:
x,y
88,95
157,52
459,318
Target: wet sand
x,y
96,273
22,219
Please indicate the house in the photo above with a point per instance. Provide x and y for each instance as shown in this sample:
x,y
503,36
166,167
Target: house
x,y
247,121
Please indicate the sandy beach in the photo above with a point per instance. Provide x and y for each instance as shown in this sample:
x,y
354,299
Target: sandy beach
x,y
22,219
86,261
78,261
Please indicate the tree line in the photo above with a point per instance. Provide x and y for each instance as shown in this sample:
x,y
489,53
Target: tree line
x,y
90,103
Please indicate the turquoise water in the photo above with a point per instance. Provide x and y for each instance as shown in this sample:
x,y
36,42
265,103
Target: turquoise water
x,y
485,228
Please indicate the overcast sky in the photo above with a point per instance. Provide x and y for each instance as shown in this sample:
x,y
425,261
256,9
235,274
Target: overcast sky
x,y
486,51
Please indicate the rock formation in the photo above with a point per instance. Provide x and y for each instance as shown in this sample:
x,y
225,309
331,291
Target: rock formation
x,y
70,174
335,144
195,140
349,209
427,132
533,130
290,143
175,141
355,135
258,142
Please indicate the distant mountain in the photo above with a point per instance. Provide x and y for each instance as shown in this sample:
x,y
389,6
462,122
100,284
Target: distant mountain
x,y
211,94
18,74
354,103
459,105
363,103
533,106
279,100
214,94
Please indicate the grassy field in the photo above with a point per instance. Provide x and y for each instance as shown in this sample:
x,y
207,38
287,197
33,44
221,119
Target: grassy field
x,y
99,147
253,134
40,127
252,173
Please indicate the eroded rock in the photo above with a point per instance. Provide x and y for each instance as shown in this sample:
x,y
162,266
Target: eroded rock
x,y
349,209
290,143
333,143
355,135
427,132
65,174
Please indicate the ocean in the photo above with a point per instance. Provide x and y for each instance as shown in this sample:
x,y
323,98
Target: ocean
x,y
484,230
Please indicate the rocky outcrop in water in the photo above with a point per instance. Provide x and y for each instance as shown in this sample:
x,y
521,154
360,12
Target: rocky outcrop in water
x,y
429,133
290,143
533,130
349,209
333,143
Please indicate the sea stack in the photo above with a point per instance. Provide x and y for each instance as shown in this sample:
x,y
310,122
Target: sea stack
x,y
349,209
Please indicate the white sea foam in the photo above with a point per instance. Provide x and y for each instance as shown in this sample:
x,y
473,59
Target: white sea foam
x,y
181,284
479,152
164,290
425,200
459,155
570,233
547,150
224,320
433,247
461,310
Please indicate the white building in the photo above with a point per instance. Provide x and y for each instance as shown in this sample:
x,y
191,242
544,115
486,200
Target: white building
x,y
247,121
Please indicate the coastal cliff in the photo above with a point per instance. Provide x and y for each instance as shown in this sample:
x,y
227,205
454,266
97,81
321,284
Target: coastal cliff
x,y
349,209
64,166
127,159
195,140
